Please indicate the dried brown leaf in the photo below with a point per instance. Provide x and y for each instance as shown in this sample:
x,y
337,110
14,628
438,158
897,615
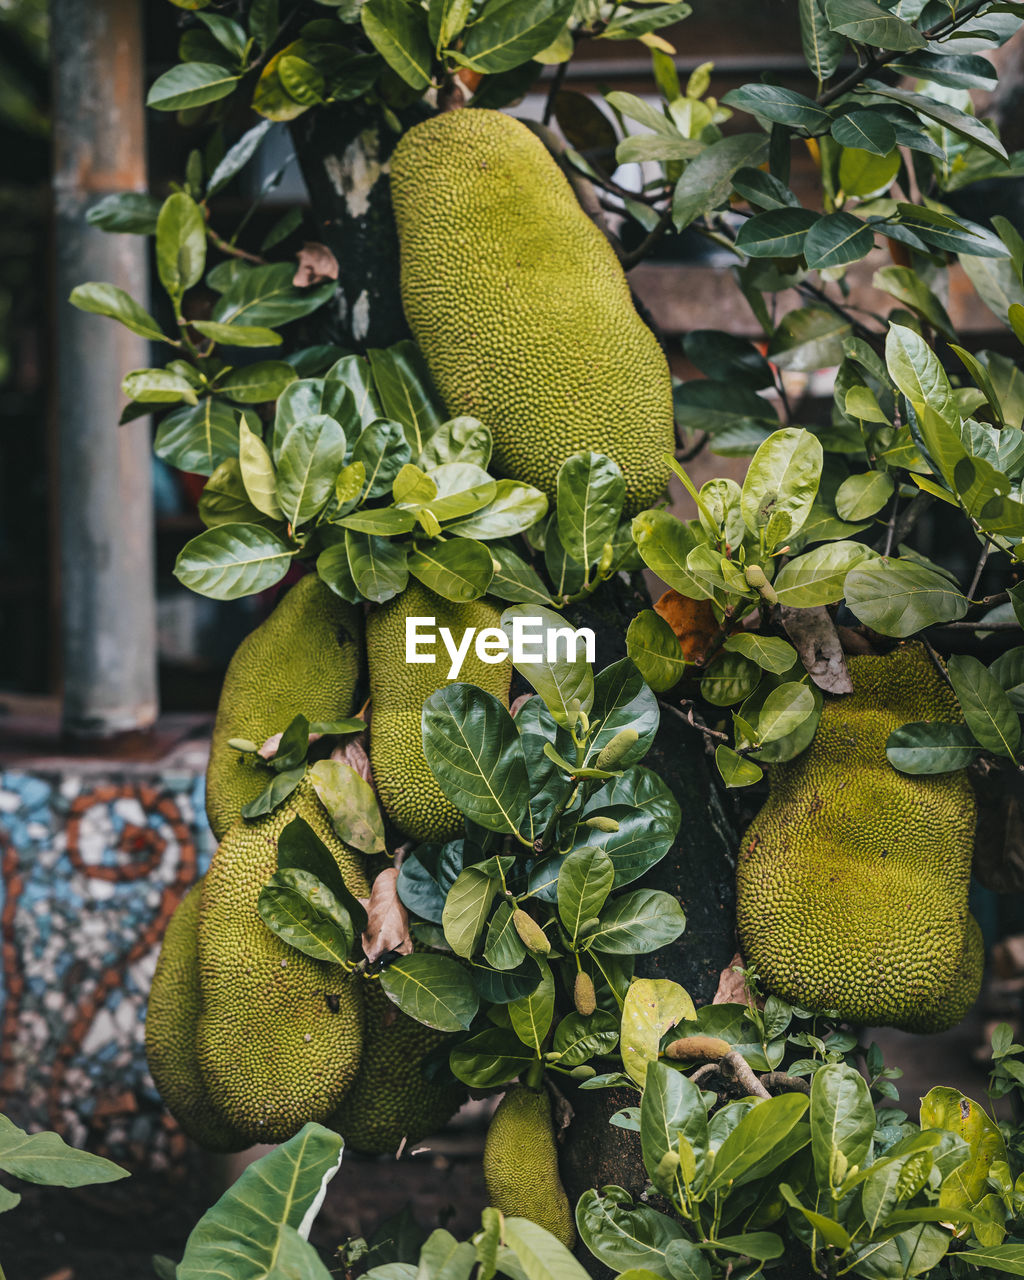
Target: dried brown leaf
x,y
316,265
814,635
387,921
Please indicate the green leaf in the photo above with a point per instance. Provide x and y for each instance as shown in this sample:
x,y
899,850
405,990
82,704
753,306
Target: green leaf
x,y
383,450
1008,1258
953,118
867,130
279,789
191,84
241,1235
862,495
906,286
989,713
303,912
180,245
108,300
867,23
237,335
925,747
258,472
446,18
579,1038
466,909
782,479
491,1058
736,771
823,49
504,948
475,753
459,569
515,580
767,1135
730,678
461,439
780,106
836,240
819,576
590,494
510,32
435,990
863,174
406,393
266,296
157,386
561,679
125,211
653,646
779,233
353,373
10,1200
540,1255
45,1158
237,157
377,565
842,1121
257,383
311,456
638,922
963,71
301,81
531,1014
664,543
967,1183
769,652
398,32
299,848
809,338
351,804
706,181
233,560
785,709
651,1007
585,880
762,189
891,1181
831,1232
899,597
672,1107
198,437
952,235
514,508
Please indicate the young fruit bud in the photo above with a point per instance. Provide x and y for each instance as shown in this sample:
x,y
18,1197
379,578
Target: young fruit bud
x,y
698,1049
589,926
602,824
610,755
582,1073
583,994
242,744
530,932
755,577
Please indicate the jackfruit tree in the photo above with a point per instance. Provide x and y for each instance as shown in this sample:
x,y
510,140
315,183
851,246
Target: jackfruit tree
x,y
515,873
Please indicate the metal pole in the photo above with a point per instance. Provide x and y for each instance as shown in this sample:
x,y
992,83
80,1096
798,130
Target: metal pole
x,y
108,607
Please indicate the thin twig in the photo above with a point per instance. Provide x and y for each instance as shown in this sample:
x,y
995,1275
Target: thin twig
x,y
890,529
233,250
979,569
912,512
645,246
692,721
979,624
780,1080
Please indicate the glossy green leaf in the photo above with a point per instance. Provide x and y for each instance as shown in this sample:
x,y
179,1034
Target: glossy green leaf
x,y
377,565
652,1006
311,456
900,597
706,181
257,383
624,1237
279,788
237,335
304,913
257,472
266,296
951,117
514,508
861,496
238,156
531,1014
836,240
515,580
578,1037
672,1106
466,909
512,31
864,174
504,948
818,576
351,804
868,130
779,233
299,848
987,708
562,675
191,84
823,49
771,653
736,770
233,560
157,386
906,286
780,106
180,244
125,211
637,922
459,569
540,1255
45,1158
406,393
654,647
198,437
435,990
786,708
925,747
1006,1258
490,1058
473,749
866,23
591,491
398,32
241,1235
108,300
809,338
842,1121
764,1138
585,880
782,478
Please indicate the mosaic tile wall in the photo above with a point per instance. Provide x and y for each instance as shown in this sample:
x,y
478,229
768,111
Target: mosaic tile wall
x,y
91,867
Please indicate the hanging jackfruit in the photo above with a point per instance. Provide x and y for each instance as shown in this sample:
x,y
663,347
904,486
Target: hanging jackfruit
x,y
852,880
407,788
171,1018
521,308
305,658
391,1098
279,1036
521,1163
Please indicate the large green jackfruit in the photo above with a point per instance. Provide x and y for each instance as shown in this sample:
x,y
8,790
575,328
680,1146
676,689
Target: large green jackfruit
x,y
852,880
521,308
280,1035
406,786
172,1016
305,658
521,1163
391,1098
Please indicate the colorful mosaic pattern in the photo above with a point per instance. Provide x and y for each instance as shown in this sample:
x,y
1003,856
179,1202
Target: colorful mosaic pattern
x,y
91,868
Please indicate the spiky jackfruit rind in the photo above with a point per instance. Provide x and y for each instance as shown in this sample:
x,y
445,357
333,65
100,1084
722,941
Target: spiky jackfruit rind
x,y
391,1098
407,788
521,307
852,880
306,658
280,1035
172,1016
521,1163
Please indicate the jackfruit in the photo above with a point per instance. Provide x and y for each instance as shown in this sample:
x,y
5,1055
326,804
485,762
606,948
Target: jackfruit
x,y
171,1020
407,788
391,1098
305,658
852,880
521,1163
521,308
280,1035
